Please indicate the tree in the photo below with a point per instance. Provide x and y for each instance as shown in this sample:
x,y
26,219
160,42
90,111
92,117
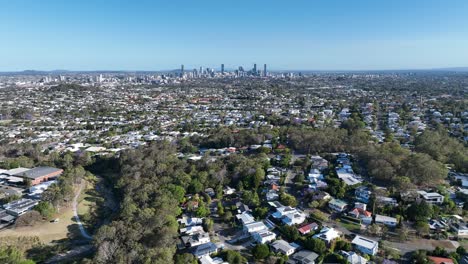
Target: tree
x,y
316,245
423,170
420,257
261,212
185,258
12,255
233,257
287,199
422,227
45,209
402,233
258,177
202,210
419,211
343,245
208,224
461,250
195,186
260,251
289,232
227,216
220,208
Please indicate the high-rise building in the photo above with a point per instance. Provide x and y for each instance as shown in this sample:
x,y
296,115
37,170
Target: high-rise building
x,y
255,68
264,70
182,70
222,68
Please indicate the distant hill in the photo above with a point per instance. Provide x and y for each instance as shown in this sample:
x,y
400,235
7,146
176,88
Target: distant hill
x,y
453,69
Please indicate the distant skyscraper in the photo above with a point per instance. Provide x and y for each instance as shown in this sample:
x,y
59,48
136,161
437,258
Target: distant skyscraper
x,y
182,70
255,68
264,70
222,68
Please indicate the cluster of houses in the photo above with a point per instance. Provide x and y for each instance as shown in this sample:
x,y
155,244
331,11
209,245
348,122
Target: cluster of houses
x,y
25,187
315,177
195,240
344,170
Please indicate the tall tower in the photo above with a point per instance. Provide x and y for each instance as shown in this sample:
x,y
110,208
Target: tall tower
x,y
182,70
222,68
255,68
264,70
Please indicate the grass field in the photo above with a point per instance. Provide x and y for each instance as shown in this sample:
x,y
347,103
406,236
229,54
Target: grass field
x,y
47,232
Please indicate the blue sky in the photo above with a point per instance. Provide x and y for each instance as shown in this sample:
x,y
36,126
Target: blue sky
x,y
296,34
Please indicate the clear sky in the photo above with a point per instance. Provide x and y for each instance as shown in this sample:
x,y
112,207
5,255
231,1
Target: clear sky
x,y
294,34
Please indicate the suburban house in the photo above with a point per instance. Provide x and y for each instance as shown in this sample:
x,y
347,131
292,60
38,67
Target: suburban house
x,y
272,195
360,213
432,197
191,230
39,174
436,225
386,220
439,260
303,257
307,228
283,247
190,221
460,228
228,190
363,194
196,239
319,162
255,227
328,234
245,218
314,174
20,206
263,236
387,200
365,245
353,257
206,259
204,250
289,215
337,205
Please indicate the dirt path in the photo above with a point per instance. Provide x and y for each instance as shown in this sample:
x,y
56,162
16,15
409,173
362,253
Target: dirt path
x,y
75,212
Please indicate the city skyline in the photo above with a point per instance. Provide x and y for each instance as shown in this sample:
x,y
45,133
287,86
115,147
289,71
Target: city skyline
x,y
159,35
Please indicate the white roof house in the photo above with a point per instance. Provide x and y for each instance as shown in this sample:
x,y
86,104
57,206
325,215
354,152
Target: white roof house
x,y
245,218
190,221
289,215
328,234
255,227
263,236
191,230
432,197
353,257
283,247
365,245
386,220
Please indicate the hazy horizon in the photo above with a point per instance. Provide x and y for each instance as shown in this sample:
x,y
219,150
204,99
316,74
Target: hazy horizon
x,y
361,35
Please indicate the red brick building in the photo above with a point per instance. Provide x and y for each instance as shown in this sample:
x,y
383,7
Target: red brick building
x,y
40,174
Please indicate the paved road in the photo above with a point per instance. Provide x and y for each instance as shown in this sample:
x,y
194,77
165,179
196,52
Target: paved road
x,y
75,212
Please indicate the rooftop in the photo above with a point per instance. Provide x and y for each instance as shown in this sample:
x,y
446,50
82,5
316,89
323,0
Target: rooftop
x,y
37,172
